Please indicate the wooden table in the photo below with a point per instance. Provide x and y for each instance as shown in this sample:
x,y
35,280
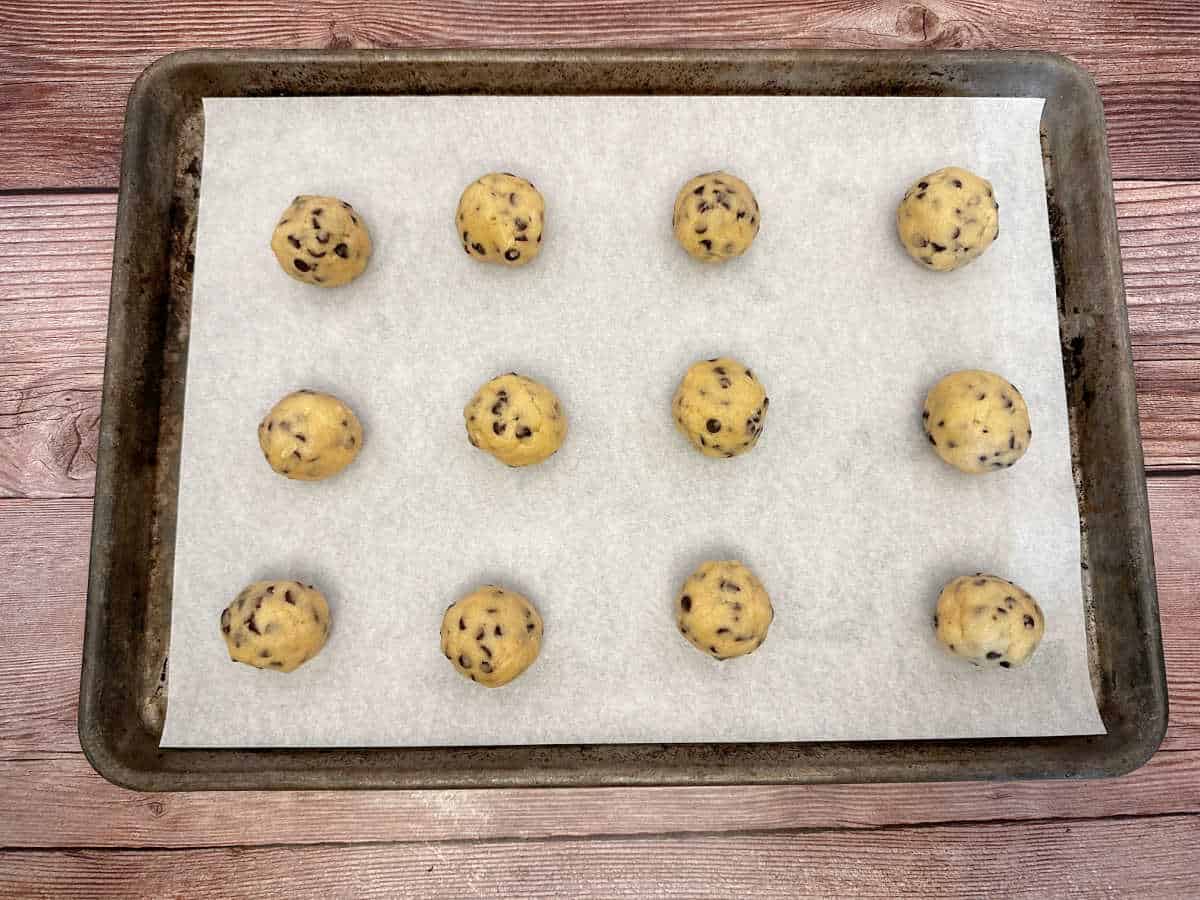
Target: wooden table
x,y
65,70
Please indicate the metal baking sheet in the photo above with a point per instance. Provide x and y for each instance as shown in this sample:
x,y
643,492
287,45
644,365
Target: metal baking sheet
x,y
121,711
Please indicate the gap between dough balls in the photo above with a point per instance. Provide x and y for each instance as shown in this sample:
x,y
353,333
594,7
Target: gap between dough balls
x,y
321,241
988,620
948,218
976,421
716,217
491,635
309,436
516,419
500,219
721,407
724,610
276,625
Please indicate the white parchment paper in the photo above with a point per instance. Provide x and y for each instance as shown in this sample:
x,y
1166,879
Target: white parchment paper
x,y
844,512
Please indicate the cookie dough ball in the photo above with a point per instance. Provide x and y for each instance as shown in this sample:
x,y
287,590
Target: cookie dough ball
x,y
988,620
721,407
516,419
976,421
276,625
321,241
724,610
716,217
948,218
491,635
500,220
310,436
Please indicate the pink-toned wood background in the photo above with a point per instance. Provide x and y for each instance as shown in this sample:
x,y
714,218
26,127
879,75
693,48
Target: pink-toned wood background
x,y
65,69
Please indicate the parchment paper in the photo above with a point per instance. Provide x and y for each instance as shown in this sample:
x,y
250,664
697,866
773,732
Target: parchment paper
x,y
844,512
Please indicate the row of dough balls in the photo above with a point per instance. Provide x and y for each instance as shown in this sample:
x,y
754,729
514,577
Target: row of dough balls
x,y
492,635
976,421
945,220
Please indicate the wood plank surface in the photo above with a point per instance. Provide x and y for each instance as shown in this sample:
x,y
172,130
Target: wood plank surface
x,y
73,64
58,801
42,584
55,261
1150,857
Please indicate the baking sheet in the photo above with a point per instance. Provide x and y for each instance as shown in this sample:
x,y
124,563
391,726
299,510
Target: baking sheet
x,y
842,509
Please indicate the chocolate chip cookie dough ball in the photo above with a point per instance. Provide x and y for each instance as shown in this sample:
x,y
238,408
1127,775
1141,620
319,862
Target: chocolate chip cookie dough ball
x,y
500,220
516,419
321,241
948,218
716,217
491,635
721,407
988,620
976,421
310,436
276,625
724,610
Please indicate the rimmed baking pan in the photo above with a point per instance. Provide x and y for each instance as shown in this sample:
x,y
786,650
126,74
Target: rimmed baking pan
x,y
124,689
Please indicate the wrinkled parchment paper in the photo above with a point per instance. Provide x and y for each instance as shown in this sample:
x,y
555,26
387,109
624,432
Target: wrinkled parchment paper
x,y
842,510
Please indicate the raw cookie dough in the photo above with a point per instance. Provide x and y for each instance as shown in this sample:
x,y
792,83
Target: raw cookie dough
x,y
321,241
310,436
716,217
988,620
500,219
516,419
720,407
724,610
948,218
491,635
976,421
276,625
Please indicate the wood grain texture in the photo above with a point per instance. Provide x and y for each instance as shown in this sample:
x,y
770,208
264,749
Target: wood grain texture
x,y
1142,53
56,800
55,260
1139,857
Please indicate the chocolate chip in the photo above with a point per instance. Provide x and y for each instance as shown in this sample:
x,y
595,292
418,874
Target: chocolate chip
x,y
499,632
486,667
741,214
524,432
265,654
252,625
512,198
699,192
925,414
512,254
722,631
462,625
292,239
713,426
992,654
464,660
492,609
935,620
951,444
1006,665
731,586
921,184
749,374
921,196
712,649
287,597
520,224
1002,610
956,183
225,621
1029,622
499,427
277,664
932,439
478,248
316,224
486,649
706,244
686,602
983,459
317,212
301,265
937,248
482,633
530,626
